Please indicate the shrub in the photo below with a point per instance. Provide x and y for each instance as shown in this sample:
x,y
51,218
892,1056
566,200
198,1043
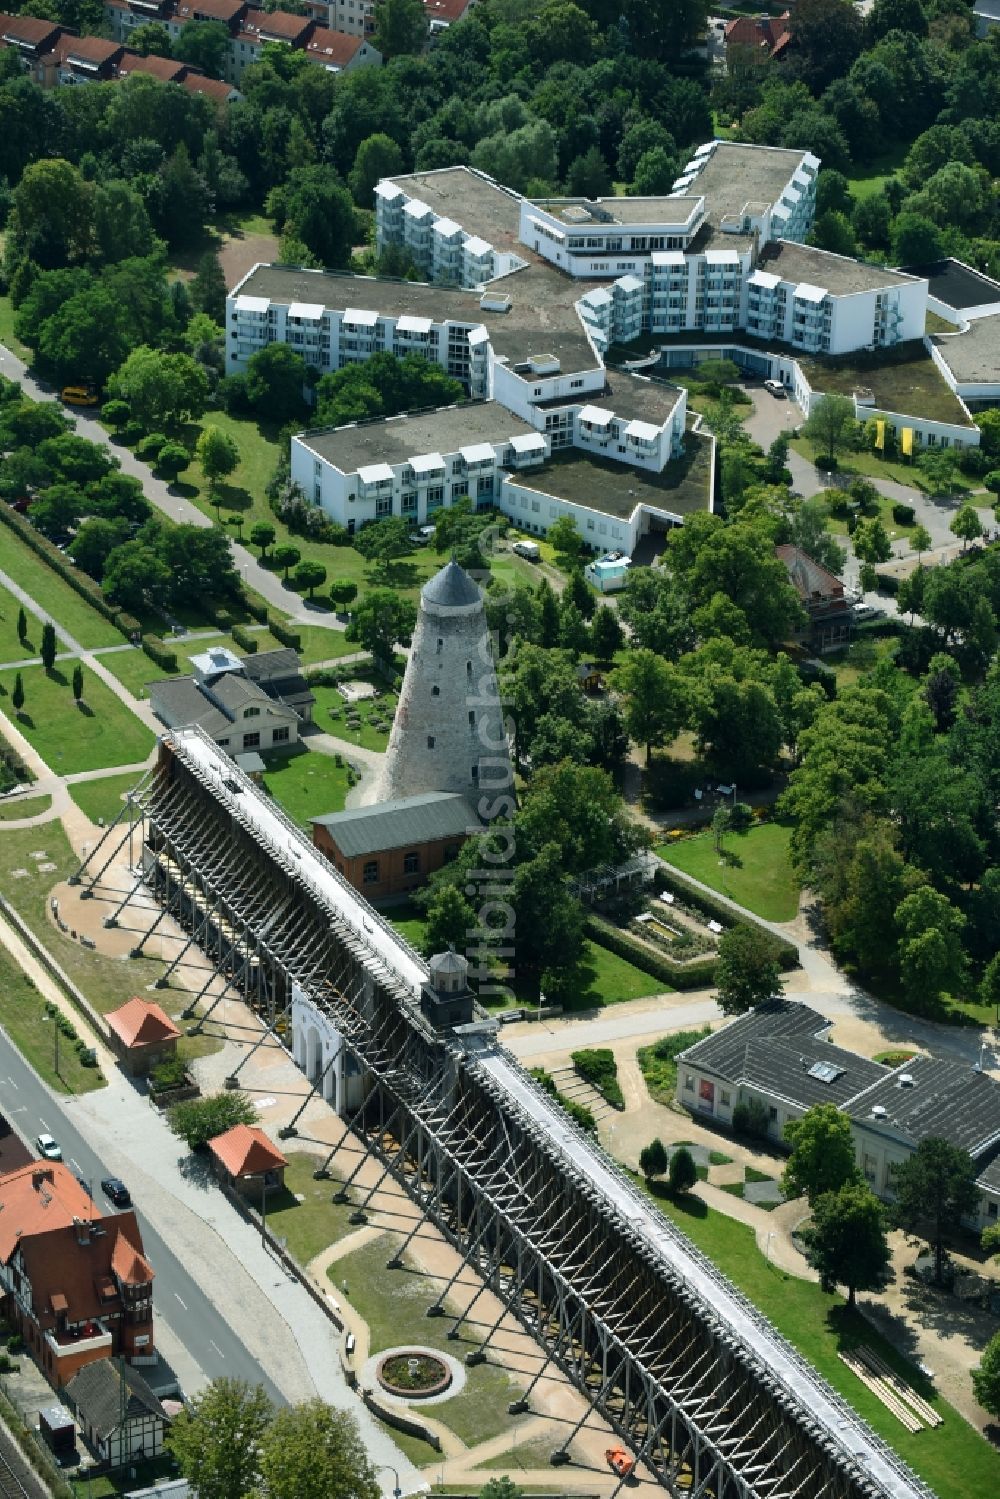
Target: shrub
x,y
160,653
170,1073
751,1118
903,515
683,1172
741,817
202,1119
653,1159
256,608
128,624
284,633
888,583
149,448
599,1068
576,1111
244,639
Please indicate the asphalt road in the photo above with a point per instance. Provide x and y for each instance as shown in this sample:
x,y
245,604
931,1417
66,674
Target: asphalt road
x,y
194,1321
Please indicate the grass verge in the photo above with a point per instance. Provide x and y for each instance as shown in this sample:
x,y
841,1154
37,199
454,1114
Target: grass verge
x,y
24,806
50,593
105,798
306,783
304,1214
755,871
98,733
23,1017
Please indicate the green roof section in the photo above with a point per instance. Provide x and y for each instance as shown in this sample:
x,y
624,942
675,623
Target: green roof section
x,y
397,824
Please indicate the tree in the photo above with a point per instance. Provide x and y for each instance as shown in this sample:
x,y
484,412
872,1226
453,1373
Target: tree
x,y
655,172
920,540
57,509
931,954
916,240
77,683
656,698
48,649
683,1172
989,1239
216,1438
310,575
162,390
262,535
314,209
829,422
605,634
133,575
17,695
989,988
871,541
52,214
286,557
986,1377
343,592
578,808
722,821
380,620
311,1451
150,40
202,1119
822,1154
218,455
275,380
847,1241
378,156
22,625
653,1159
747,974
936,1187
400,27
204,44
446,920
966,525
208,289
565,538
382,542
587,175
500,1488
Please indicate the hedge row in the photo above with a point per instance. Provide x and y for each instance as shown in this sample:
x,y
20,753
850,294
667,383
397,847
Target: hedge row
x,y
157,651
78,581
245,639
256,608
699,974
281,632
718,910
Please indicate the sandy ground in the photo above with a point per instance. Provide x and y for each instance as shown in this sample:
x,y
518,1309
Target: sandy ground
x,y
241,252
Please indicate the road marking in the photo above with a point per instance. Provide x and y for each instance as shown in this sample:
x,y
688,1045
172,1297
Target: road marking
x,y
76,1165
183,1303
213,1345
43,1124
12,1082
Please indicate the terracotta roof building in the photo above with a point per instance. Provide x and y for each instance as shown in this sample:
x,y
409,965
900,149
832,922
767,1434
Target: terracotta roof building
x,y
78,59
77,1285
31,36
142,1036
768,36
822,596
163,68
245,1160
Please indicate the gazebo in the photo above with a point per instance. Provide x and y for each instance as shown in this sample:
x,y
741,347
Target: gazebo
x,y
142,1036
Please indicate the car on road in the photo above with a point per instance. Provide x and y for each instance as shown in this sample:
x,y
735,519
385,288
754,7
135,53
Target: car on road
x,y
80,395
49,1148
775,387
115,1188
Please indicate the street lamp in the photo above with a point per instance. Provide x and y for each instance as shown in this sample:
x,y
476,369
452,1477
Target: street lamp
x,y
388,1468
55,1021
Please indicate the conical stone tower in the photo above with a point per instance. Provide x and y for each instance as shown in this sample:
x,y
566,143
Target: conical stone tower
x,y
448,733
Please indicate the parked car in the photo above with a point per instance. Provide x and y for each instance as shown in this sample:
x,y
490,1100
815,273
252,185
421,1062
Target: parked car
x,y
529,550
116,1189
49,1148
80,395
775,387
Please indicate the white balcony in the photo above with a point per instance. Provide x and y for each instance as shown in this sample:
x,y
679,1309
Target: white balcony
x,y
66,1345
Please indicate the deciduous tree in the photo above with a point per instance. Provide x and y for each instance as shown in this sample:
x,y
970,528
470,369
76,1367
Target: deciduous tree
x,y
218,455
847,1241
822,1156
830,423
201,1119
310,575
216,1439
380,620
262,535
986,1377
747,974
935,1188
286,557
656,698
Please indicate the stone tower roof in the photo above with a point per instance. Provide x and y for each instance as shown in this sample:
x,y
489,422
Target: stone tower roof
x,y
448,733
451,587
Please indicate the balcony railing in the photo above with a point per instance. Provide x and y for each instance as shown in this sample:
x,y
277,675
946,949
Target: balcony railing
x,y
62,1344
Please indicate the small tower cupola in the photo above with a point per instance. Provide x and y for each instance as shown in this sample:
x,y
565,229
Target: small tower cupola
x,y
446,998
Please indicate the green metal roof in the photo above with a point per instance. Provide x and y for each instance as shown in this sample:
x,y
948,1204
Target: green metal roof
x,y
400,824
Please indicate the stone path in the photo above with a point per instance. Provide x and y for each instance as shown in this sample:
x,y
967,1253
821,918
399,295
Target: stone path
x,y
266,583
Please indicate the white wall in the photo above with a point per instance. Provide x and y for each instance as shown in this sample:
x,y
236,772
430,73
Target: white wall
x,y
528,505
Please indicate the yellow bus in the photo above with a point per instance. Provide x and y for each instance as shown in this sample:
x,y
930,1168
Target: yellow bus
x,y
80,395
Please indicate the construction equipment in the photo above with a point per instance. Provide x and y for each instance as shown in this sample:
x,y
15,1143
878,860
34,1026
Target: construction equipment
x,y
620,1461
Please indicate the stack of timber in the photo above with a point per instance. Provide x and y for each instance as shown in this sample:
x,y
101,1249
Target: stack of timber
x,y
895,1394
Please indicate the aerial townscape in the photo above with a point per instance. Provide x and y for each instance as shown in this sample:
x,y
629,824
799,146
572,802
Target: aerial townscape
x,y
499,749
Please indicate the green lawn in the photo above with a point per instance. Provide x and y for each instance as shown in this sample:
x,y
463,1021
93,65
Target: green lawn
x,y
394,1304
53,595
410,923
24,806
331,714
7,336
101,732
838,525
658,1064
306,783
869,464
953,1458
12,648
610,980
304,1214
756,871
866,182
134,669
23,1017
104,798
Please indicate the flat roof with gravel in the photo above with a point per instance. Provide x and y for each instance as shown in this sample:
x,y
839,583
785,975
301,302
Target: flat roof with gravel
x,y
836,273
400,438
903,379
616,489
471,199
972,357
574,211
737,174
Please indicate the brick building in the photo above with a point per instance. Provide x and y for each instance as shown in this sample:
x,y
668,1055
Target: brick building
x,y
393,848
142,1036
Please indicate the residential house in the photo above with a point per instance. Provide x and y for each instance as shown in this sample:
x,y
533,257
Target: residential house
x,y
120,1417
142,1036
821,594
279,673
31,37
761,37
245,1160
78,59
393,847
76,1285
779,1060
237,711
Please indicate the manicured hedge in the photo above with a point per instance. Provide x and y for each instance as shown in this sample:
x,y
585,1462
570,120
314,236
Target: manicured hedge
x,y
888,583
256,608
700,974
717,910
245,639
128,624
281,632
160,653
78,581
598,1067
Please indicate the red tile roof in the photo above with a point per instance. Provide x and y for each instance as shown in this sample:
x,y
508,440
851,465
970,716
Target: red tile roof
x,y
769,33
245,1150
333,46
163,68
129,1263
812,581
447,10
37,1198
140,1022
30,31
214,88
91,51
226,11
278,25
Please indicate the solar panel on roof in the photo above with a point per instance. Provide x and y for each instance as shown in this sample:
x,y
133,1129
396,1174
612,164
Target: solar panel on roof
x,y
826,1072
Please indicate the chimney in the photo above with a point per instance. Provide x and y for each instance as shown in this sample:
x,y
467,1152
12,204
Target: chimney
x,y
82,1230
40,1176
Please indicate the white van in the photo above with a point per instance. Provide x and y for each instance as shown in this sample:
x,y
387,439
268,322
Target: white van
x,y
775,387
529,550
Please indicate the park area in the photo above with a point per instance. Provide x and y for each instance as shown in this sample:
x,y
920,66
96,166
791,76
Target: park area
x,y
98,732
754,869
